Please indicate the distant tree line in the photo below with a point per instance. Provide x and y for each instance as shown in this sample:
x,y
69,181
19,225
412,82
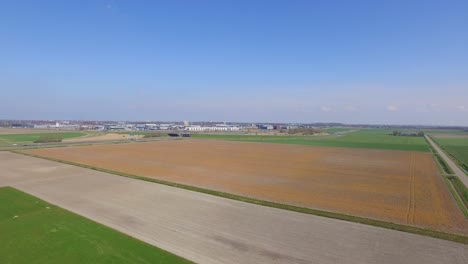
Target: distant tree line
x,y
403,134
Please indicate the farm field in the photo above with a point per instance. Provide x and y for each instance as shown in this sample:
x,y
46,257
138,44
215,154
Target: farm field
x,y
395,186
6,139
34,231
457,147
364,138
212,230
4,131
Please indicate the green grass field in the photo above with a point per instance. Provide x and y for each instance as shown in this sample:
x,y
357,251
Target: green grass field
x,y
445,131
334,130
33,231
457,147
364,138
29,138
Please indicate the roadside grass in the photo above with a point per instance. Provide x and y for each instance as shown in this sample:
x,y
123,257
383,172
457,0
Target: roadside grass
x,y
34,231
456,196
456,187
456,148
364,138
30,138
461,189
345,217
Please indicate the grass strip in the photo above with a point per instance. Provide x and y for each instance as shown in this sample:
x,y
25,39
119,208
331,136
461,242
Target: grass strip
x,y
457,197
457,162
34,231
460,188
362,220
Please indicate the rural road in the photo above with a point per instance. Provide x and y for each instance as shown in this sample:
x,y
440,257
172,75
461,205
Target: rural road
x,y
458,172
209,229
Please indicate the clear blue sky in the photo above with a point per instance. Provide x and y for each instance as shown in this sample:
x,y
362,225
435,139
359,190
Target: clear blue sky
x,y
399,62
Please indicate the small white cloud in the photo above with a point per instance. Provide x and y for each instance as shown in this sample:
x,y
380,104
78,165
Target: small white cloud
x,y
109,6
462,108
392,108
350,108
326,109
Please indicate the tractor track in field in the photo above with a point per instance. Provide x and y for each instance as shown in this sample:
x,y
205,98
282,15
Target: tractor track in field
x,y
412,201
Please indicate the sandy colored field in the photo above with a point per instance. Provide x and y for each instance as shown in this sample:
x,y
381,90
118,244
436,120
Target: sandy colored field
x,y
396,186
209,229
449,136
109,136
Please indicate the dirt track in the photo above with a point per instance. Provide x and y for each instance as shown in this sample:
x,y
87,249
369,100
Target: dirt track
x,y
395,186
209,229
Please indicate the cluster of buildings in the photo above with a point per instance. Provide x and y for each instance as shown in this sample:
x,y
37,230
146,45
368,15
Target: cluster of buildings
x,y
148,126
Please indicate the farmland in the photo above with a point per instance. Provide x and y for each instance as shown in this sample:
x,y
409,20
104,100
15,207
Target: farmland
x,y
6,139
457,147
364,138
34,231
395,186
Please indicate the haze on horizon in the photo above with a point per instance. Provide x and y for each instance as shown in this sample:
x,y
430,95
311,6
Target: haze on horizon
x,y
396,62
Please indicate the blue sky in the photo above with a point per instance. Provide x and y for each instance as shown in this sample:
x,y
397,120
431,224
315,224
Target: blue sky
x,y
398,62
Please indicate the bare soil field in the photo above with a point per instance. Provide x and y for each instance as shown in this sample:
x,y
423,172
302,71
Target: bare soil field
x,y
209,229
396,186
109,136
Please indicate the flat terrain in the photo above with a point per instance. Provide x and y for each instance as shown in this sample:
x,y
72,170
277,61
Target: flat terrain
x,y
6,139
457,146
104,137
33,231
395,186
364,138
4,131
210,229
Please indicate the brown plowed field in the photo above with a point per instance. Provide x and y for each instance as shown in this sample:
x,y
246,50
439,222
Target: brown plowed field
x,y
396,186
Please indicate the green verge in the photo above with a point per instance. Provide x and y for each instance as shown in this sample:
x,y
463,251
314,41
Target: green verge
x,y
457,197
456,187
460,188
456,149
34,231
373,222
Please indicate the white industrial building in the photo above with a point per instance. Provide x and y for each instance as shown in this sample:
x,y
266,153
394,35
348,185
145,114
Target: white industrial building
x,y
212,128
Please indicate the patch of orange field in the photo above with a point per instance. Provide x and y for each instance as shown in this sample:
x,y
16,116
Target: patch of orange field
x,y
396,186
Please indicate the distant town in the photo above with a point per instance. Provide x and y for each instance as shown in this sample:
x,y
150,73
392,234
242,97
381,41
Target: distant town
x,y
198,126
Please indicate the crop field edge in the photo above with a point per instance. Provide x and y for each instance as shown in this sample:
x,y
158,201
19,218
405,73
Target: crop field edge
x,y
350,218
458,163
97,223
447,172
456,196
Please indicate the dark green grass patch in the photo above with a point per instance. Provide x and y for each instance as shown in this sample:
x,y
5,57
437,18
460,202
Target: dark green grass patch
x,y
365,138
29,138
33,231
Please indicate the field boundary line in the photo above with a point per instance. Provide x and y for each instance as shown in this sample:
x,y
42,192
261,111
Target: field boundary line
x,y
456,196
350,218
411,203
457,162
445,176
